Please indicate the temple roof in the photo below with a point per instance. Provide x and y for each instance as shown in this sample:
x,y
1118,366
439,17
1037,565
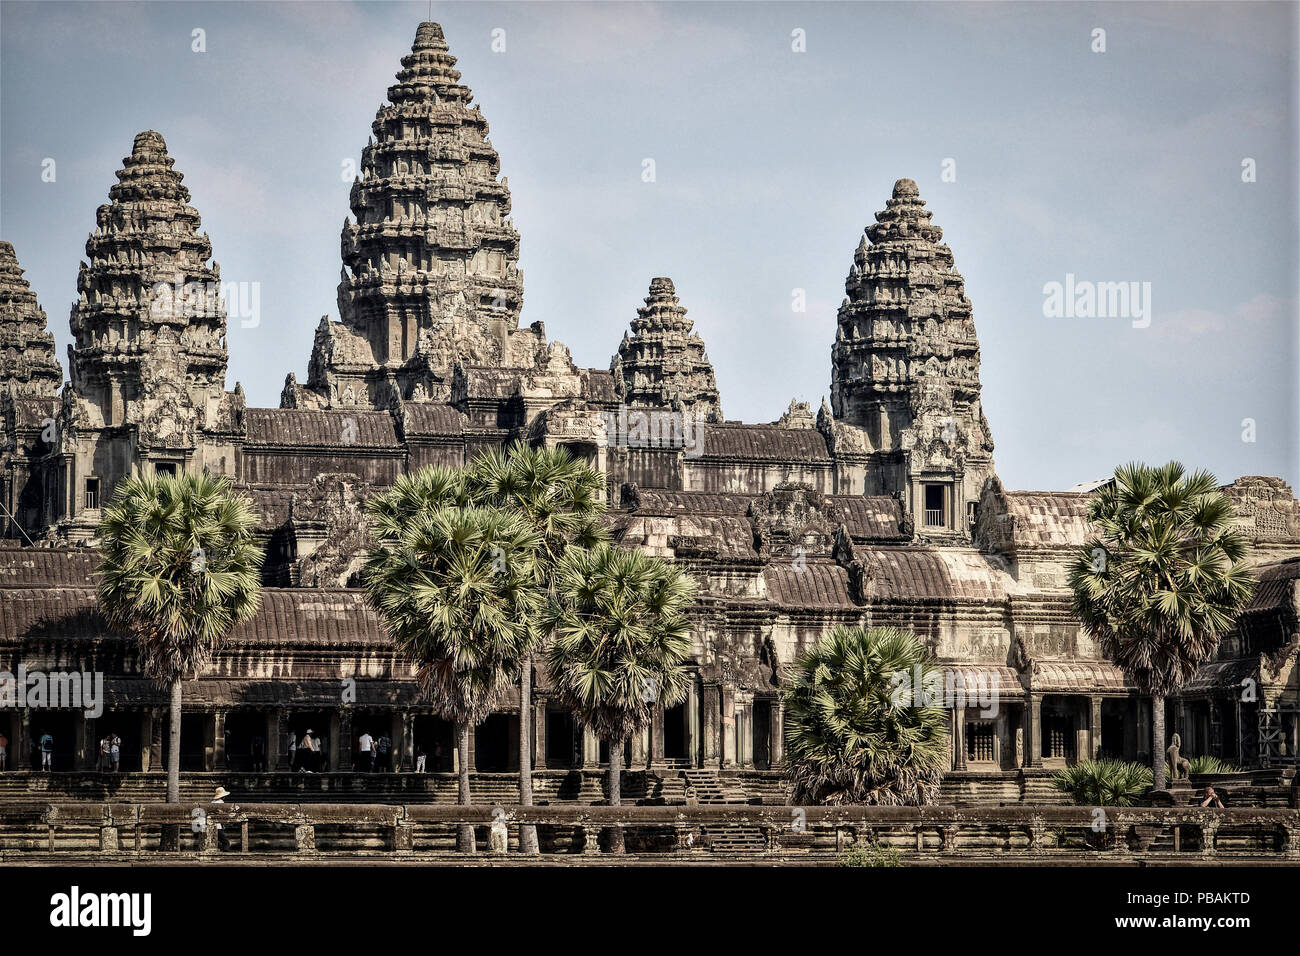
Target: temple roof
x,y
341,427
764,443
27,360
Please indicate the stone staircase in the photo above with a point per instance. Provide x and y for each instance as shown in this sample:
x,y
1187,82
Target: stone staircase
x,y
709,787
734,839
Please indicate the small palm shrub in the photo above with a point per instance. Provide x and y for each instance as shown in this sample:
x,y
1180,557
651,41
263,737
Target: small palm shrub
x,y
1207,764
1104,783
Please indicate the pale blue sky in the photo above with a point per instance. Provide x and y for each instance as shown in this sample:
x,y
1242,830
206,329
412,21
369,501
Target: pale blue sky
x,y
1115,166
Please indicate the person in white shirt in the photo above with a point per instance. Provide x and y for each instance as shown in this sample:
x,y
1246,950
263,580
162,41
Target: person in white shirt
x,y
366,744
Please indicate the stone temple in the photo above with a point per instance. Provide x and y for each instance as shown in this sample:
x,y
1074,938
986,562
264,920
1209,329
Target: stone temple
x,y
882,506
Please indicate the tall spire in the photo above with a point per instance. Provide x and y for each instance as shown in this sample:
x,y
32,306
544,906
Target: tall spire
x,y
27,363
149,322
905,364
431,242
663,363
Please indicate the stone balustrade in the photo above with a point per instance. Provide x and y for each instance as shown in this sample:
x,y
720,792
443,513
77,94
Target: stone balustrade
x,y
305,833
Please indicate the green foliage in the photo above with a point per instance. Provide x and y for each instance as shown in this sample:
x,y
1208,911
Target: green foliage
x,y
621,637
179,568
874,854
1104,783
1164,576
854,733
1206,764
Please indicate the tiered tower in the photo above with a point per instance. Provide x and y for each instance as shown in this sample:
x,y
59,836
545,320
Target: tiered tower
x,y
28,366
905,367
431,257
662,364
149,326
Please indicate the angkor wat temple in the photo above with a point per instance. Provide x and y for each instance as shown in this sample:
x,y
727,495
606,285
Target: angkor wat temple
x,y
882,506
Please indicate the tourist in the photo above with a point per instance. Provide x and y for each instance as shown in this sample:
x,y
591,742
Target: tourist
x,y
1211,799
313,751
437,758
257,753
4,752
220,798
47,751
293,750
115,749
420,758
367,745
385,748
105,754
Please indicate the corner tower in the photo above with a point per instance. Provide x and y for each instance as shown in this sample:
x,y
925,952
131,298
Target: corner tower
x,y
905,368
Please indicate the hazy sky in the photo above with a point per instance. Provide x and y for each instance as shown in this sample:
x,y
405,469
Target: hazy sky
x,y
1115,166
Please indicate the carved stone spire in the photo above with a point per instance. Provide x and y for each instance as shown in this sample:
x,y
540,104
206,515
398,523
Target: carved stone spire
x,y
905,364
27,363
431,243
149,325
663,363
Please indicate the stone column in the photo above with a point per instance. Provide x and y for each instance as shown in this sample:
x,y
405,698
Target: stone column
x,y
86,743
1034,738
279,757
539,735
657,736
693,723
711,755
274,740
776,734
21,758
217,760
404,731
1094,727
957,733
638,751
334,753
146,739
590,749
728,727
344,747
161,721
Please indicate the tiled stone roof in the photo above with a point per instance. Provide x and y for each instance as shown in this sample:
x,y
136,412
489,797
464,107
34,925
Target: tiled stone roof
x,y
45,567
1277,590
1049,518
918,574
1076,677
764,443
300,426
879,516
655,501
817,585
431,418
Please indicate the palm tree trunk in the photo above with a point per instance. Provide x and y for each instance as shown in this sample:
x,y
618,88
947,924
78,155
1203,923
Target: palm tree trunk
x,y
527,832
465,833
174,746
1158,740
171,832
616,792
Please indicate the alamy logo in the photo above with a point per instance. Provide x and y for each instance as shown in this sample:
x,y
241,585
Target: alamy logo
x,y
74,909
655,428
939,688
83,690
1081,299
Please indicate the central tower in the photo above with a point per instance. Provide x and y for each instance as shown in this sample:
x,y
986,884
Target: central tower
x,y
905,368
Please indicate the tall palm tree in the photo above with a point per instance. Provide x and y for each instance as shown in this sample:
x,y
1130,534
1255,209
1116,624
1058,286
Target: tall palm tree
x,y
858,727
455,586
560,498
179,568
620,639
1161,579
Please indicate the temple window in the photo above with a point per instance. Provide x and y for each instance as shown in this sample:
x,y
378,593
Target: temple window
x,y
92,494
161,468
979,741
934,506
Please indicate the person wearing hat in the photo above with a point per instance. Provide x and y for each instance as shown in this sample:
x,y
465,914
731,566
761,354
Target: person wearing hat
x,y
220,797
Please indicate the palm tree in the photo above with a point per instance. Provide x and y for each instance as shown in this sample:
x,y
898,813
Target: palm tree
x,y
620,639
560,498
1161,579
858,728
455,586
179,568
